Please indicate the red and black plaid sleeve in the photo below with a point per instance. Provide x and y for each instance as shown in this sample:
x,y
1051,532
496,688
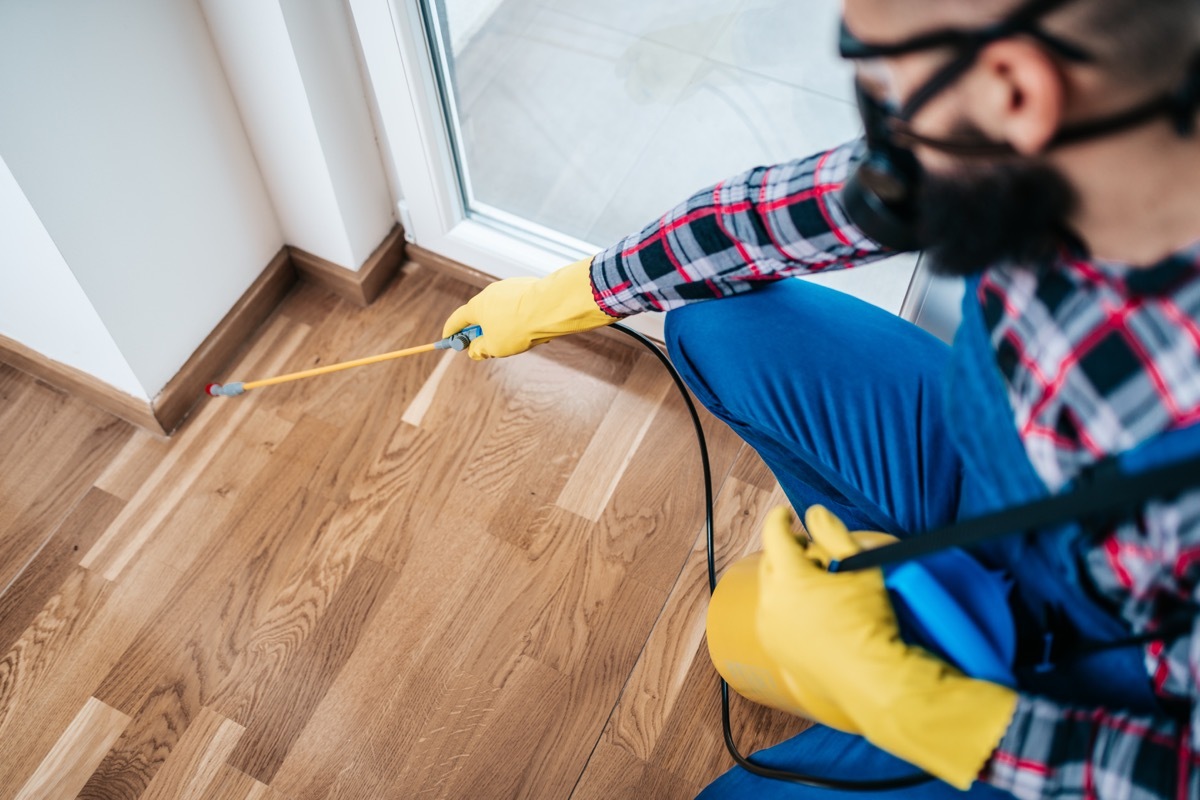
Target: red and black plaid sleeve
x,y
1056,751
763,225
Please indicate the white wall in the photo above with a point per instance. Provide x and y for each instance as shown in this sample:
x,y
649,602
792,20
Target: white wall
x,y
41,303
118,125
296,77
321,34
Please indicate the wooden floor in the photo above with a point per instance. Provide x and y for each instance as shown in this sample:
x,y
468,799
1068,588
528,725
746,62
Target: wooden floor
x,y
431,578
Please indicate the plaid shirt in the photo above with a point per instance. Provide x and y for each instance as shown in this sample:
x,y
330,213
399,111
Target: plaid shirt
x,y
1096,359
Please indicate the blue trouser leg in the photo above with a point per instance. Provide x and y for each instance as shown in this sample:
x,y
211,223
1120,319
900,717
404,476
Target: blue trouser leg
x,y
843,402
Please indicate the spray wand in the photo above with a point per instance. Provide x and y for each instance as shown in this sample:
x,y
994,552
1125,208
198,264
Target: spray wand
x,y
457,341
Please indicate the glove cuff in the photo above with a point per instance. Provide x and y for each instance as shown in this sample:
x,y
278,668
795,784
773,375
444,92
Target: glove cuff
x,y
568,302
950,731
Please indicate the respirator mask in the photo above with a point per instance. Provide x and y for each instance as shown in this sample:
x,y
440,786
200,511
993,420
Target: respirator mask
x,y
881,196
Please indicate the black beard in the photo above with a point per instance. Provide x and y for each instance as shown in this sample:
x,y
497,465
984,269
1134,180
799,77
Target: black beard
x,y
985,215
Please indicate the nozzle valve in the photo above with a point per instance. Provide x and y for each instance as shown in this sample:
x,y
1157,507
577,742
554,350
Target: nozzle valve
x,y
460,341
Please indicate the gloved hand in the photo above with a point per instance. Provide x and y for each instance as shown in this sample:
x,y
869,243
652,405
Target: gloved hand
x,y
837,643
518,313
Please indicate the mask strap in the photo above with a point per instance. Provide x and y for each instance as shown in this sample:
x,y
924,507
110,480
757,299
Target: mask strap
x,y
904,136
971,52
940,81
1181,106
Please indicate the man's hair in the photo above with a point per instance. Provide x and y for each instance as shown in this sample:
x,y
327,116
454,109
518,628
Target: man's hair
x,y
1139,42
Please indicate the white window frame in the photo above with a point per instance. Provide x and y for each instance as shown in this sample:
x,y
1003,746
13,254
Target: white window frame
x,y
416,140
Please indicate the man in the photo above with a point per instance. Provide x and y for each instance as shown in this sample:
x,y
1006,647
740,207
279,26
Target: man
x,y
1047,149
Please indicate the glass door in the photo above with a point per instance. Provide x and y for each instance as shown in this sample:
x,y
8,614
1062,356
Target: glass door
x,y
589,118
566,125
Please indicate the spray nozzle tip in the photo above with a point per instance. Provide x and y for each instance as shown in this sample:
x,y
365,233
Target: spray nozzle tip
x,y
228,390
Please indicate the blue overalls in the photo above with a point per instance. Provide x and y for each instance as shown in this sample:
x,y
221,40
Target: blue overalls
x,y
858,410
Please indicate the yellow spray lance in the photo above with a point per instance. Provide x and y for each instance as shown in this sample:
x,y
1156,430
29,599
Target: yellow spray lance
x,y
458,341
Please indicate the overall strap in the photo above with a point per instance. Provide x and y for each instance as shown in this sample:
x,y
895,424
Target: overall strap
x,y
1104,490
1176,626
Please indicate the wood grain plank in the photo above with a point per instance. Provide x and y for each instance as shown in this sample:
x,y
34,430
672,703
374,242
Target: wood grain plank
x,y
47,571
286,709
613,772
652,519
668,719
616,440
620,630
338,335
50,672
154,733
424,398
205,622
181,657
513,439
166,487
67,766
220,492
314,579
195,764
232,784
656,683
130,469
44,419
388,688
47,469
563,737
26,667
454,731
532,745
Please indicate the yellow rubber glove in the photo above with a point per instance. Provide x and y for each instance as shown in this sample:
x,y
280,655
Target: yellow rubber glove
x,y
518,313
836,639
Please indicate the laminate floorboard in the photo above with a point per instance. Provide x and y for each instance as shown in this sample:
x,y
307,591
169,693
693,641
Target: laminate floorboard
x,y
50,567
54,449
430,578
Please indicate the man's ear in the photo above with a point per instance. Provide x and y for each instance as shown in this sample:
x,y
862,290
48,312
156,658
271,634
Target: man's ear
x,y
1017,95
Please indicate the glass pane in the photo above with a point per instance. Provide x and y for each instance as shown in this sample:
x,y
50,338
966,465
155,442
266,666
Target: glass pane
x,y
593,118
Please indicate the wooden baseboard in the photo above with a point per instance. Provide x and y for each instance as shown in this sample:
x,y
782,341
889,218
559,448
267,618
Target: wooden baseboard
x,y
169,409
165,413
79,383
361,286
183,391
222,345
448,266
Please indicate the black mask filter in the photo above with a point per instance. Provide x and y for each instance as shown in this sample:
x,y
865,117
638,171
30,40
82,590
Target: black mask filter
x,y
880,197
